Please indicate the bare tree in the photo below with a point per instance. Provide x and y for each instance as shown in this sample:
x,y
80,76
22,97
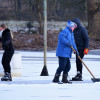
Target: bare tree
x,y
94,18
40,20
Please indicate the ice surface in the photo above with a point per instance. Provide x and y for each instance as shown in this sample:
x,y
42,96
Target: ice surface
x,y
32,86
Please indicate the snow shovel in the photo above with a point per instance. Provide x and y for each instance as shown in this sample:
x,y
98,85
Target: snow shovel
x,y
93,79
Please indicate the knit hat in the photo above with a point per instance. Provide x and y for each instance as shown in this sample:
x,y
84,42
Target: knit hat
x,y
71,24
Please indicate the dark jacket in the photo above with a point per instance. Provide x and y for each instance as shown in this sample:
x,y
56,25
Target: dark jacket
x,y
81,35
7,40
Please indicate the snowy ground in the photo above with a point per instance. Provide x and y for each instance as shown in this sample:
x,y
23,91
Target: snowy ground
x,y
32,86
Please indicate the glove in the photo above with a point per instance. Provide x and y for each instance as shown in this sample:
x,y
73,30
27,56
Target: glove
x,y
76,52
86,51
69,44
5,46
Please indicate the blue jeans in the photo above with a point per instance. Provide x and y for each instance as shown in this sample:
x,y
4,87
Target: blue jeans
x,y
64,65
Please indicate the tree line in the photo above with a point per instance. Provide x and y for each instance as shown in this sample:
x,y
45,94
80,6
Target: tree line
x,y
57,10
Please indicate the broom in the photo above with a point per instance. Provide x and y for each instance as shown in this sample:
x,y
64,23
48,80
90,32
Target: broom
x,y
93,79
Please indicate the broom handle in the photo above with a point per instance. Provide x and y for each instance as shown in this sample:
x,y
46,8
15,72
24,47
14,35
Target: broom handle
x,y
83,63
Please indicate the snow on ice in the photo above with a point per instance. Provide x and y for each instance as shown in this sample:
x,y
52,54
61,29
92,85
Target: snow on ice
x,y
32,86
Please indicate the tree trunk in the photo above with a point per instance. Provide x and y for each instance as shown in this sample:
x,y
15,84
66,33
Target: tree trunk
x,y
40,17
39,12
94,18
19,4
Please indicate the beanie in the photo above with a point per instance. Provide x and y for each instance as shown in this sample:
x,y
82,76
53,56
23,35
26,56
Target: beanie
x,y
71,24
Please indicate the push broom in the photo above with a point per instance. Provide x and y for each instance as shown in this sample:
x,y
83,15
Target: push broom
x,y
93,79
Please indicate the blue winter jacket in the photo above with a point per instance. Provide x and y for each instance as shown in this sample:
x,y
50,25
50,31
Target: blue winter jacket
x,y
65,41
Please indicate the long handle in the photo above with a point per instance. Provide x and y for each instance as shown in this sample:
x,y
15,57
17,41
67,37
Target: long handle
x,y
83,63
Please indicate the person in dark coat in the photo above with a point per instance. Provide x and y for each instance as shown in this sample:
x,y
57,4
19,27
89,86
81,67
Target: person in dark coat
x,y
82,44
8,48
64,52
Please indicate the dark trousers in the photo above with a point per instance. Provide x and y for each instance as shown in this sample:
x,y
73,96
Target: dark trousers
x,y
64,65
78,62
7,55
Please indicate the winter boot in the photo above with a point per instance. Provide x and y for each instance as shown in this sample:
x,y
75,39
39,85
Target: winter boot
x,y
78,77
6,77
65,80
56,78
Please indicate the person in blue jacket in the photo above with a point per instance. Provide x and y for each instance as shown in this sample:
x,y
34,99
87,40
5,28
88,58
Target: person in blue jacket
x,y
64,52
